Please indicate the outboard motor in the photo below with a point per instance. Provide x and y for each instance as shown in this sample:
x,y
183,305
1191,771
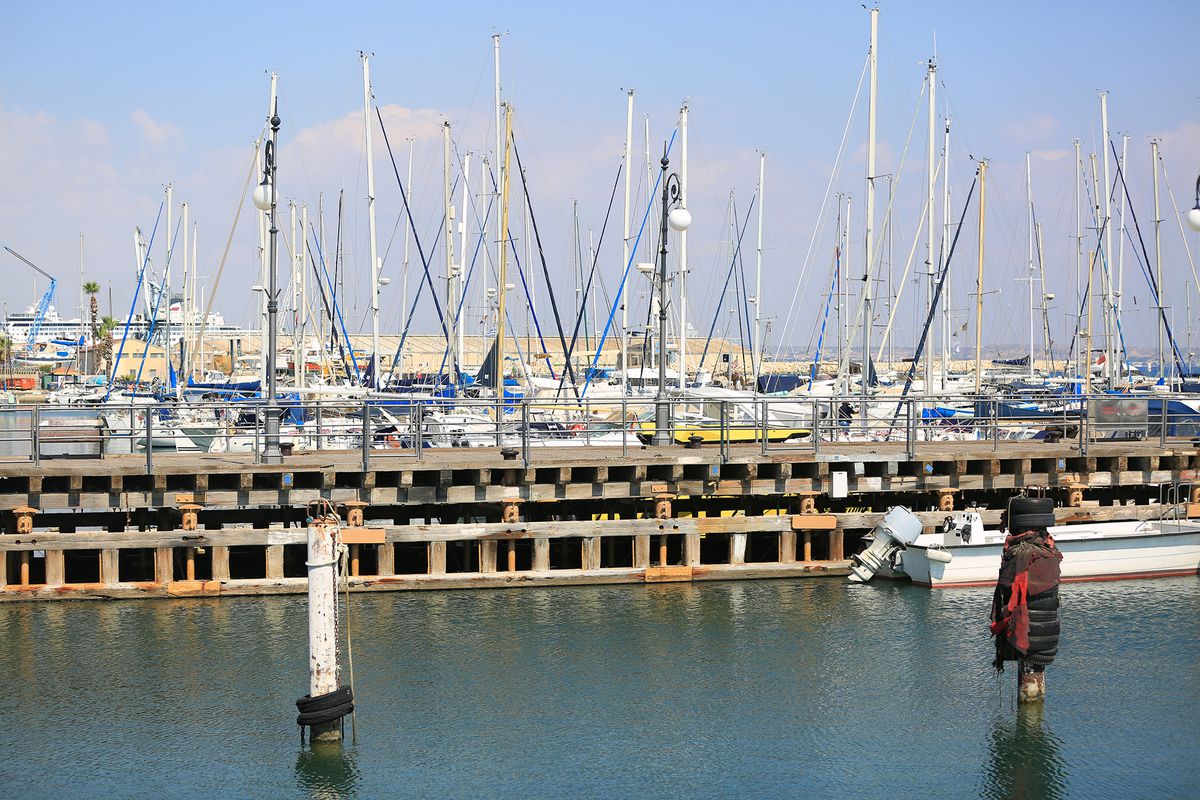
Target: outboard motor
x,y
898,529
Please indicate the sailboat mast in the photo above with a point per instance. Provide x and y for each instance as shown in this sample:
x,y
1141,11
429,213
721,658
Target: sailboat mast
x,y
371,221
946,311
930,173
683,257
297,366
1078,222
303,354
501,169
979,285
1121,236
448,236
756,345
869,254
1029,232
404,310
502,285
1110,299
186,310
625,242
1158,255
460,295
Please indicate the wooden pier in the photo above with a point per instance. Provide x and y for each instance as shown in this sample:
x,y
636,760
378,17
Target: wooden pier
x,y
203,525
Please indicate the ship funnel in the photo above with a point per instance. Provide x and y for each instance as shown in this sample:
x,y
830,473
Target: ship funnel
x,y
897,530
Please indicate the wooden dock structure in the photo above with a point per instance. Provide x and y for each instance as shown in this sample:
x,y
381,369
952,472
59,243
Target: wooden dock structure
x,y
210,525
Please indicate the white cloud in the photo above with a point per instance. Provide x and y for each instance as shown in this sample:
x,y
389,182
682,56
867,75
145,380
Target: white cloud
x,y
155,133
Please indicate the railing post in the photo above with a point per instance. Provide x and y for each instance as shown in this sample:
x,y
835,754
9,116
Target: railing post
x,y
35,439
909,430
525,432
1162,434
320,421
417,415
366,437
816,426
625,427
149,440
724,432
764,425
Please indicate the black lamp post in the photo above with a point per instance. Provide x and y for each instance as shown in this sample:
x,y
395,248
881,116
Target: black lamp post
x,y
265,196
677,219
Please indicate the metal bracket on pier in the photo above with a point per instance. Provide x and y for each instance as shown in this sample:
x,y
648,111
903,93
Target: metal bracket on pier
x,y
24,515
945,499
354,513
1075,494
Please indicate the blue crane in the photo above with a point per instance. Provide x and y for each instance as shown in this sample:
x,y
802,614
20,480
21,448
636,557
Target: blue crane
x,y
43,304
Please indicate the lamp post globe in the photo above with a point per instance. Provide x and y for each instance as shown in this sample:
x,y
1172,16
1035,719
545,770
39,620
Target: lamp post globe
x,y
1193,219
680,219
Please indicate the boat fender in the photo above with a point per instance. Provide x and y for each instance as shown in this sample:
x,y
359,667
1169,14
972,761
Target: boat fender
x,y
939,555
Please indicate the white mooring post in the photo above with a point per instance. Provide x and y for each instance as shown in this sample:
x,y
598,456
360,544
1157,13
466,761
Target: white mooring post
x,y
322,620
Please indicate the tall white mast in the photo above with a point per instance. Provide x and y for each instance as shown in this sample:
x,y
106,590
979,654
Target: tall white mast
x,y
1078,223
930,173
366,65
1121,239
1109,303
463,233
499,156
404,276
625,240
1158,298
83,317
166,284
757,349
946,315
683,256
448,234
189,268
1029,231
199,344
297,360
301,263
870,233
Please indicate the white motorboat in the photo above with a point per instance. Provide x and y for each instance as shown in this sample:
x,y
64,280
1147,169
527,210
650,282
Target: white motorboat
x,y
964,554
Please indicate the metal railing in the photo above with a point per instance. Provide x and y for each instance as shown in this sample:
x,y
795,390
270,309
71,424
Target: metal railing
x,y
379,428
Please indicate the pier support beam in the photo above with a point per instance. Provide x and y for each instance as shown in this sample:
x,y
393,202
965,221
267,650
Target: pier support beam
x,y
164,565
487,556
787,547
807,546
437,558
220,563
274,561
55,568
837,539
737,548
641,551
110,567
541,555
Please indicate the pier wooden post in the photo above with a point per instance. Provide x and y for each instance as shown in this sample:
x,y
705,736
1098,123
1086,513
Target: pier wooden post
x,y
190,564
55,569
274,561
787,547
164,565
385,555
541,555
512,555
24,576
487,556
836,542
808,546
3,570
110,567
691,549
737,548
591,553
437,558
641,551
322,620
220,563
354,560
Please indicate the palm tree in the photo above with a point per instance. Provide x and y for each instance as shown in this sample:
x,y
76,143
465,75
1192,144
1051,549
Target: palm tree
x,y
104,341
91,288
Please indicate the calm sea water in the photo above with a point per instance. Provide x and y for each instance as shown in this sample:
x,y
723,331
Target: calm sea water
x,y
753,689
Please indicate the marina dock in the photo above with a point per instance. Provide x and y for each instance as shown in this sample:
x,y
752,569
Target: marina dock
x,y
209,524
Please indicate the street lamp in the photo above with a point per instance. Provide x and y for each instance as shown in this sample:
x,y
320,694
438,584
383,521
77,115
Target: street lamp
x,y
265,196
678,218
1193,216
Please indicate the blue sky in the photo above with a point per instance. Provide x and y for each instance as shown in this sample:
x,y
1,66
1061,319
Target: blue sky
x,y
101,105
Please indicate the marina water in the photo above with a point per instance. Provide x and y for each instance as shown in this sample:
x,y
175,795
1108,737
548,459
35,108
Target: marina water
x,y
752,689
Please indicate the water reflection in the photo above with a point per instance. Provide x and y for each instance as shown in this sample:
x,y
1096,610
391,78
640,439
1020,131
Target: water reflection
x,y
327,771
1024,760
